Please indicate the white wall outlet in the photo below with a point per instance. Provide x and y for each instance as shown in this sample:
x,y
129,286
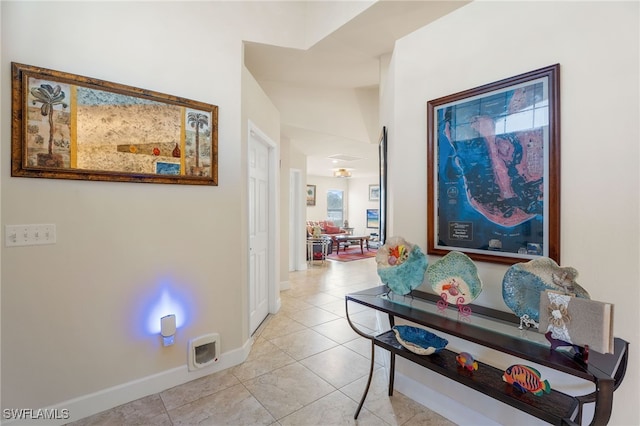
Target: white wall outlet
x,y
29,235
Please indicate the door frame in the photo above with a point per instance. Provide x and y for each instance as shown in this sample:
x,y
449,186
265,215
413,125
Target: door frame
x,y
297,214
255,134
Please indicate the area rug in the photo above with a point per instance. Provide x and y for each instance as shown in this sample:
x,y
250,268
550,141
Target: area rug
x,y
352,253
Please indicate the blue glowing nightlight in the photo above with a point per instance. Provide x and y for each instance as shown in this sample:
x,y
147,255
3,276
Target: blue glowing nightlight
x,y
168,329
167,305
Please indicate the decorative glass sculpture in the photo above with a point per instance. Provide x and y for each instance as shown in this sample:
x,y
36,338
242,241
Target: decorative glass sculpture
x,y
418,340
401,265
523,283
455,278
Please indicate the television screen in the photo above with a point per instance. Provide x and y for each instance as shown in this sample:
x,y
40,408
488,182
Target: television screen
x,y
373,218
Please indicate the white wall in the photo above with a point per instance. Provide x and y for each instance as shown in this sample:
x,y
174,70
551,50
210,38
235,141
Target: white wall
x,y
356,198
298,162
324,184
359,203
488,41
74,313
325,17
331,112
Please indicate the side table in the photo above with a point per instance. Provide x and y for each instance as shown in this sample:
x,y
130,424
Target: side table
x,y
323,243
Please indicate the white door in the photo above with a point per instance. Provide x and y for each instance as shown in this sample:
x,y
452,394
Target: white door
x,y
259,208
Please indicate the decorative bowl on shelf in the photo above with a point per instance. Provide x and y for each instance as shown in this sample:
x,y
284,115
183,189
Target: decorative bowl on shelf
x,y
455,278
523,283
419,340
401,265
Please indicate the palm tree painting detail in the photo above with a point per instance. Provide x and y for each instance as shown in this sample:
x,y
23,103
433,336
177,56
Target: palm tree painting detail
x,y
49,96
198,121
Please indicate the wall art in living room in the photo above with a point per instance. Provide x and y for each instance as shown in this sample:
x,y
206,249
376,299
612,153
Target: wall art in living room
x,y
311,195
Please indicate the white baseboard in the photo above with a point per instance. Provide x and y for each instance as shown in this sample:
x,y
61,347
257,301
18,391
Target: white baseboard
x,y
285,285
277,306
94,403
460,404
441,404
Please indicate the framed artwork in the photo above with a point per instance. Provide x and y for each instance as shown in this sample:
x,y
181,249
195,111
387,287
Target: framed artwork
x,y
311,195
374,192
494,170
373,218
66,126
382,157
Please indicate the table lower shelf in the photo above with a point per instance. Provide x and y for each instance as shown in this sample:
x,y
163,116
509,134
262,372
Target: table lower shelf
x,y
555,408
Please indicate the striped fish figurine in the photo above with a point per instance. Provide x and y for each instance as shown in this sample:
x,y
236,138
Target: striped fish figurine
x,y
526,379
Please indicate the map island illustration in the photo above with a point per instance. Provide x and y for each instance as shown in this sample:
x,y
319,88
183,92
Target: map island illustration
x,y
491,171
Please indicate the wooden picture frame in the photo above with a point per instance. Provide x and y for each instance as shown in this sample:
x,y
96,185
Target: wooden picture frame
x,y
311,195
493,186
67,126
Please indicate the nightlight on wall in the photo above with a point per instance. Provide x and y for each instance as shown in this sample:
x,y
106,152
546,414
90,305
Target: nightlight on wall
x,y
168,329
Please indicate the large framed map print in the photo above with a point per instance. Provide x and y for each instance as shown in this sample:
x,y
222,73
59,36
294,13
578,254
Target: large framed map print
x,y
494,170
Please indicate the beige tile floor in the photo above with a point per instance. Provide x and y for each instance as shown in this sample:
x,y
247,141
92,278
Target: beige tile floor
x,y
306,367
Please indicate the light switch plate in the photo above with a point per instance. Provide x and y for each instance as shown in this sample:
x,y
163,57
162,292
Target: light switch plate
x,y
29,235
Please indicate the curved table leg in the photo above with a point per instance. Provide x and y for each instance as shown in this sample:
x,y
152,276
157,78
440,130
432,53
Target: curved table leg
x,y
366,389
373,352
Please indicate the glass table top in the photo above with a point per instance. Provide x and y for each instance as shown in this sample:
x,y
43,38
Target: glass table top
x,y
472,316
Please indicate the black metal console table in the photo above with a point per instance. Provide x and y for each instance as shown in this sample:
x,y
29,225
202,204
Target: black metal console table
x,y
499,331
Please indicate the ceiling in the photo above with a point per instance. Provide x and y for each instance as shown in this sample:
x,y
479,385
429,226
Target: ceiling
x,y
348,58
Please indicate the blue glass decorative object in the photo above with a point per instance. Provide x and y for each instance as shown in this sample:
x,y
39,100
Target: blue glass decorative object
x,y
523,283
401,265
418,340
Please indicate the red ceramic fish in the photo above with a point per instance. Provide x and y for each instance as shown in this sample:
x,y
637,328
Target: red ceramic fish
x,y
526,379
465,360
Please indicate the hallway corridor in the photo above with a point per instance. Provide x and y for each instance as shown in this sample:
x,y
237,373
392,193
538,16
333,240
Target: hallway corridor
x,y
306,367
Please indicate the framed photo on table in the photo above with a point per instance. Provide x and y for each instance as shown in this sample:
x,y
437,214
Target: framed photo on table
x,y
493,187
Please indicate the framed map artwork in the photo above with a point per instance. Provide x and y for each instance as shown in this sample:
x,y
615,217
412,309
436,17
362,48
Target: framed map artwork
x,y
494,170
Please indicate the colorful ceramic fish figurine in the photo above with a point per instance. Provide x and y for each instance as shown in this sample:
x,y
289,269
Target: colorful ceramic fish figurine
x,y
465,360
526,379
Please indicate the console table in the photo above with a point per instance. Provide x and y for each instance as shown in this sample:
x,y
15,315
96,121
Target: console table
x,y
499,331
